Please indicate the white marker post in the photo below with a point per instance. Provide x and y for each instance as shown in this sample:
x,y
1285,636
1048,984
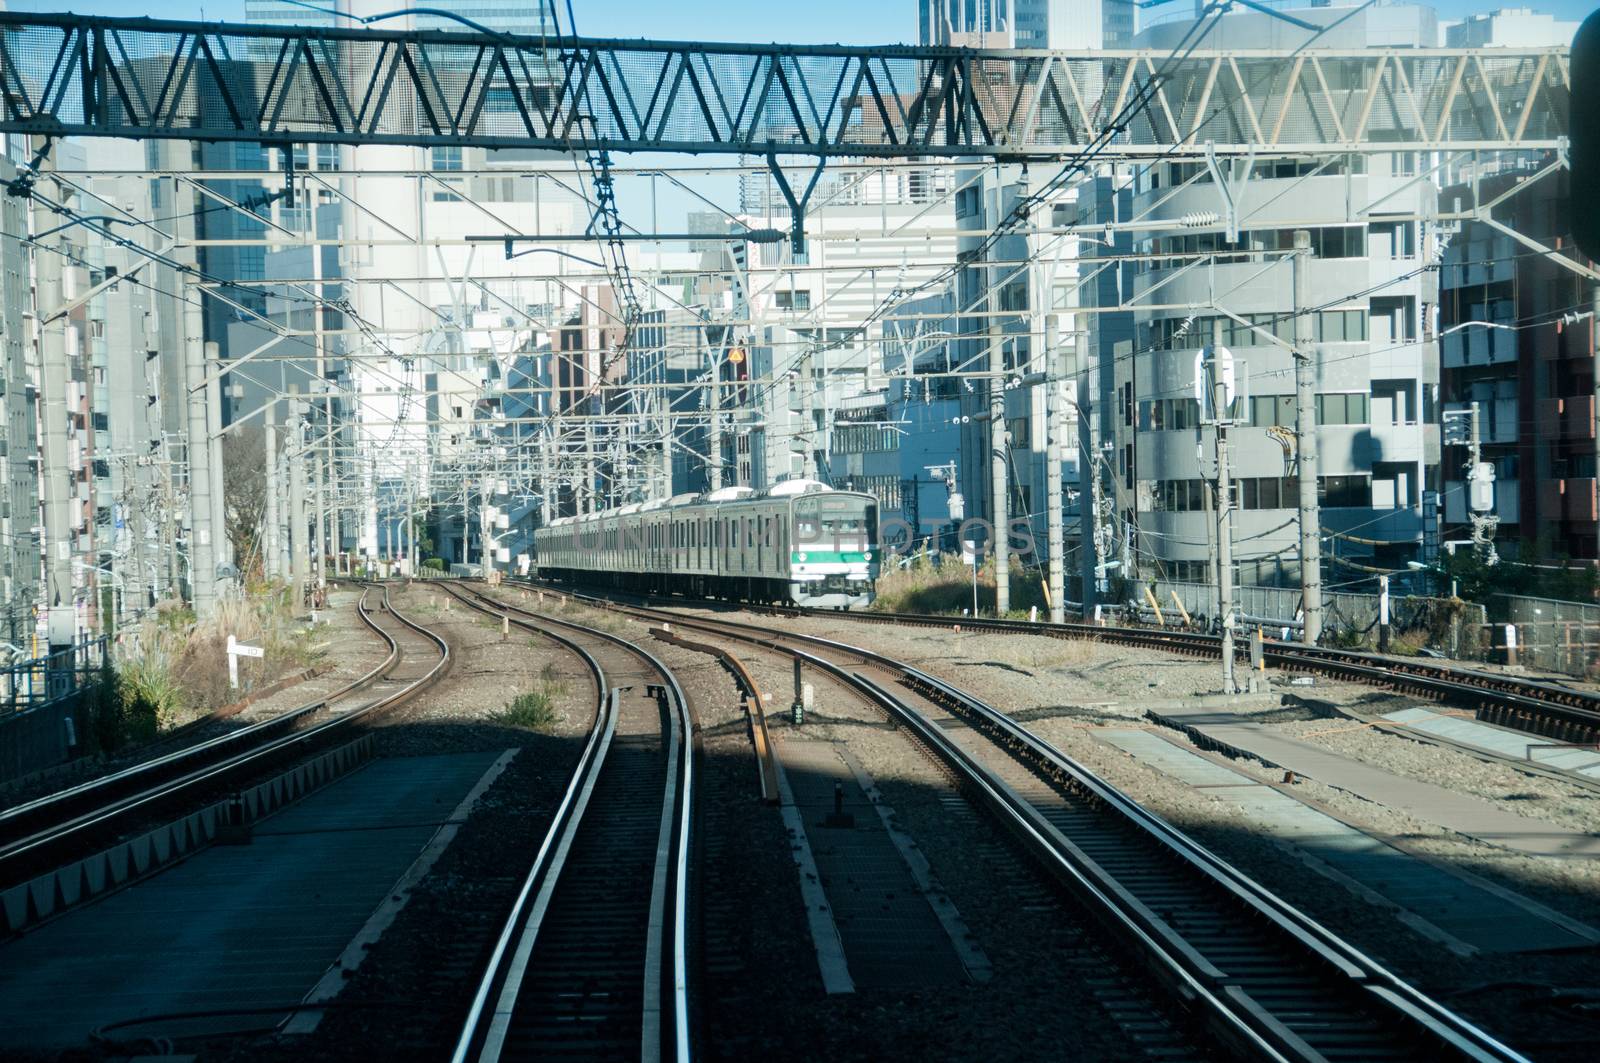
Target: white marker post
x,y
237,649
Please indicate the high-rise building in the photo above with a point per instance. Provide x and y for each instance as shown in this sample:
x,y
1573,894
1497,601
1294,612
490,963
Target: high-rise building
x,y
1056,24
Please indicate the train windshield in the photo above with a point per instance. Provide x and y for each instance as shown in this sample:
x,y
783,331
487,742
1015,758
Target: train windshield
x,y
849,522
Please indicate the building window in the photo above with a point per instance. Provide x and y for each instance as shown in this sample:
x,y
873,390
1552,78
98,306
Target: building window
x,y
795,300
445,159
1269,410
1344,491
1342,408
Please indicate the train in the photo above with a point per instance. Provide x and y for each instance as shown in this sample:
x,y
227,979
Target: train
x,y
799,542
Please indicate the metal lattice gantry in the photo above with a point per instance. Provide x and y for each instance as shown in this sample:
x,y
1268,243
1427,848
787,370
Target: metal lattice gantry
x,y
75,75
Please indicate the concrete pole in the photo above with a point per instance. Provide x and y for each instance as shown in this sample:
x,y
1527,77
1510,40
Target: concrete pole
x,y
466,519
410,537
219,498
269,536
1305,435
1001,509
714,427
202,520
318,549
295,452
59,594
1219,405
485,532
1054,537
1088,488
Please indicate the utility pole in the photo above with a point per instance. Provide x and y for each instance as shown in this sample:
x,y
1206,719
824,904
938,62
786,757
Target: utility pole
x,y
1055,538
714,427
202,527
295,453
1001,510
318,547
219,503
59,598
485,532
1305,435
269,536
1088,488
1219,405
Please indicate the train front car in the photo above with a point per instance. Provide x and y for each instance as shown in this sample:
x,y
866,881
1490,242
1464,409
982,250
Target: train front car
x,y
833,553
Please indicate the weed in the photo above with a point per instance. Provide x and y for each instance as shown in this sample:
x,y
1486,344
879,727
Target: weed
x,y
535,709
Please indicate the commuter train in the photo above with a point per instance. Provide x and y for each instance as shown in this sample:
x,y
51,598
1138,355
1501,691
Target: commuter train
x,y
799,542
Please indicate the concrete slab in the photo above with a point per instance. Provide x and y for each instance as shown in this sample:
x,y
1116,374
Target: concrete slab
x,y
247,928
1458,910
1508,743
892,937
1459,812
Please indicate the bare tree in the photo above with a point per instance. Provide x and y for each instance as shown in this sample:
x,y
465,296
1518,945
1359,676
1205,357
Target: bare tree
x,y
245,496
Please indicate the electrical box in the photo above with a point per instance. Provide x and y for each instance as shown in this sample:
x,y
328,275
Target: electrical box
x,y
1480,487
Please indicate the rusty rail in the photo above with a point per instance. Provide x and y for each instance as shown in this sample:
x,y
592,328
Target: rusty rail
x,y
754,706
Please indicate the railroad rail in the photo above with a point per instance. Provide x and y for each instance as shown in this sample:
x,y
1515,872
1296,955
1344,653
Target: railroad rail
x,y
1256,973
1554,710
592,960
36,835
1557,711
753,700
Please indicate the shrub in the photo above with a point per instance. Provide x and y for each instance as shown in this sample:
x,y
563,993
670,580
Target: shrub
x,y
434,564
535,709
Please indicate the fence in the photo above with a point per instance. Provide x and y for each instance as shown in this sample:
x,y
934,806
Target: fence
x,y
40,696
1443,625
1559,636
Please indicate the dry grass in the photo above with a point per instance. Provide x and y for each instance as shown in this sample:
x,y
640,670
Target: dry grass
x,y
946,587
175,669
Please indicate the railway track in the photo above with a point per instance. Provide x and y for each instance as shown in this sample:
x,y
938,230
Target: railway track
x,y
1556,711
1550,709
41,834
592,962
1250,972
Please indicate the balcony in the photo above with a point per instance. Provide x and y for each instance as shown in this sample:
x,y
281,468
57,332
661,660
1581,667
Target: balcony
x,y
1572,499
1577,417
1580,499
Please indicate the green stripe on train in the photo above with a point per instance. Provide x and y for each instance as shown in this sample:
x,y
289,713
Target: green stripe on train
x,y
827,557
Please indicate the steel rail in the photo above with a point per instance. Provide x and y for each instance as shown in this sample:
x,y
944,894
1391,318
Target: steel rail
x,y
664,1001
1550,709
97,793
1232,1012
754,704
102,805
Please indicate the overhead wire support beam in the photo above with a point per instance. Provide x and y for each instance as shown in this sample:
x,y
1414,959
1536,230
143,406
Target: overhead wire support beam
x,y
75,75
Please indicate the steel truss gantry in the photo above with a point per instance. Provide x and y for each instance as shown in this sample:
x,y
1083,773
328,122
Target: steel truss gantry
x,y
66,75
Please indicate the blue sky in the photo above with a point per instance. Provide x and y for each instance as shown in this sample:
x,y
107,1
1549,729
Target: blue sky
x,y
808,21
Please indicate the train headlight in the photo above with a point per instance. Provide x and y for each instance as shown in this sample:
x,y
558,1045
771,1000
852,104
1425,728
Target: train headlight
x,y
802,557
867,556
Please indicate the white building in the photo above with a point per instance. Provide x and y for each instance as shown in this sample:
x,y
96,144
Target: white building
x,y
1376,376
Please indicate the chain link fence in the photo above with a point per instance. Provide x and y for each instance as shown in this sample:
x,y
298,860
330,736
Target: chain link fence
x,y
1445,626
1554,635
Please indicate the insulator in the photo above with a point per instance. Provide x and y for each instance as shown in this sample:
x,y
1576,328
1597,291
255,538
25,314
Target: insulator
x,y
1199,219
